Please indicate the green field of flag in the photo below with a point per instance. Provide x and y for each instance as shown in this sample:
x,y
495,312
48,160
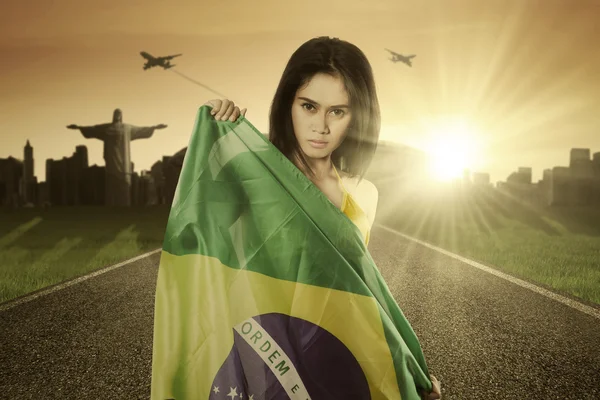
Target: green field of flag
x,y
266,290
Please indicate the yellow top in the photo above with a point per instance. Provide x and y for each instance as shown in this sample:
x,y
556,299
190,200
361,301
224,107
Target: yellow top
x,y
352,210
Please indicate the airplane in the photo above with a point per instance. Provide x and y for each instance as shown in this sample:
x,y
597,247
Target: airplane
x,y
399,57
158,61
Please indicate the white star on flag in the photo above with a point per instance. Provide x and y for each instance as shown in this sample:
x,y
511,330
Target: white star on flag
x,y
233,392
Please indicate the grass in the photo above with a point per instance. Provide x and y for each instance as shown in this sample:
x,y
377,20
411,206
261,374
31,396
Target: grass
x,y
555,247
39,248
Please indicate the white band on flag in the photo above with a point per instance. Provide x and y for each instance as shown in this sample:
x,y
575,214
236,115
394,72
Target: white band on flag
x,y
230,145
275,358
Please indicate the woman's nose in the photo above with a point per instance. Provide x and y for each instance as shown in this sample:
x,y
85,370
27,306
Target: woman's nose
x,y
320,126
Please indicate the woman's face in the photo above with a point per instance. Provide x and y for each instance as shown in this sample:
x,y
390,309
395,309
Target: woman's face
x,y
320,112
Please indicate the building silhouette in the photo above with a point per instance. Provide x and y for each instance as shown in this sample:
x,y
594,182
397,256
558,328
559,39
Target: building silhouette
x,y
11,172
575,185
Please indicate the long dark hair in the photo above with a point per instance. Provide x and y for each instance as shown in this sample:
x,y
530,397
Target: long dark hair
x,y
337,58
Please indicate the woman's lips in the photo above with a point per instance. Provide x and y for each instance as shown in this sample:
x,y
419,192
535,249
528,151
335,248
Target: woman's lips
x,y
317,143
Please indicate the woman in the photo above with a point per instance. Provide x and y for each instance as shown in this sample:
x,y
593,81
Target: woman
x,y
325,118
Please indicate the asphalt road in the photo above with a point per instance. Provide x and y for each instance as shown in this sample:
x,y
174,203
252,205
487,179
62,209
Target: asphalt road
x,y
483,337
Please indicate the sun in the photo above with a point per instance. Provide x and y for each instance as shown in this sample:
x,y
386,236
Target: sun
x,y
451,147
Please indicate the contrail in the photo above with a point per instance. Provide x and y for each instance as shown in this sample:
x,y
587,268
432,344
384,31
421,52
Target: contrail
x,y
198,83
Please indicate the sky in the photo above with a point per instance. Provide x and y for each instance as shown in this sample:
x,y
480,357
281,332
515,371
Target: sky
x,y
516,82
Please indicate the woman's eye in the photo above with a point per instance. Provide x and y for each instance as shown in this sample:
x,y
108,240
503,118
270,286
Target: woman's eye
x,y
337,112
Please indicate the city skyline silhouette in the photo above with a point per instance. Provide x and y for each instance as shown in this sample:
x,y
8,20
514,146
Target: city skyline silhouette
x,y
82,183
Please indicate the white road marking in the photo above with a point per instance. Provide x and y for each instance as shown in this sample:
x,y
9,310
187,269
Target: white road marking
x,y
13,303
544,292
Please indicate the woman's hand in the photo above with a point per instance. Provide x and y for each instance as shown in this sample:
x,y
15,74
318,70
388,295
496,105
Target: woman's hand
x,y
225,109
436,391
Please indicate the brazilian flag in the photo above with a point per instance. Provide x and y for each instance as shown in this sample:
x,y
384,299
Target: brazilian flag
x,y
266,290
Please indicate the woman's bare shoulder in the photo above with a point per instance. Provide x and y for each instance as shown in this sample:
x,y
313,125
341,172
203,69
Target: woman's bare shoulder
x,y
352,183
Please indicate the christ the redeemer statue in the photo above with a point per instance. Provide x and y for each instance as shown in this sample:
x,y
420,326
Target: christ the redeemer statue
x,y
117,137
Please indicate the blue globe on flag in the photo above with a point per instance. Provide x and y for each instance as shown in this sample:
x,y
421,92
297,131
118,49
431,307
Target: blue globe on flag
x,y
275,356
